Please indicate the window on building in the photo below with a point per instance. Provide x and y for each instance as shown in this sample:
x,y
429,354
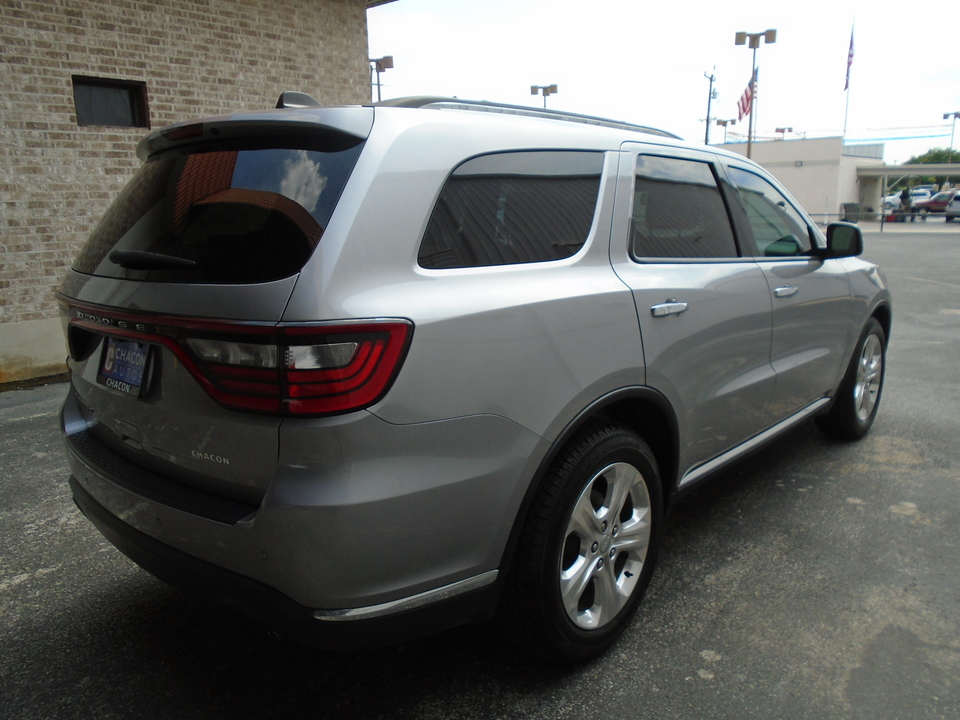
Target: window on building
x,y
511,208
115,103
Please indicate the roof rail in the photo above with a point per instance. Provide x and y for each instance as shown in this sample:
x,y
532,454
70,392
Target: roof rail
x,y
442,103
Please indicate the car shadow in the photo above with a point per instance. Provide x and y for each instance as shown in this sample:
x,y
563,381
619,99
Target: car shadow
x,y
139,648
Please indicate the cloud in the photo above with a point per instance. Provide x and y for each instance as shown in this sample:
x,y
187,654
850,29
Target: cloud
x,y
302,180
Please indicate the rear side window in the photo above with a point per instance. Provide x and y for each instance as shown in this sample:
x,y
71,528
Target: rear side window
x,y
511,208
232,215
678,211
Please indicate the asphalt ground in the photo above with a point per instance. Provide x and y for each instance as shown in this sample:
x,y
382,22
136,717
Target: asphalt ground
x,y
816,579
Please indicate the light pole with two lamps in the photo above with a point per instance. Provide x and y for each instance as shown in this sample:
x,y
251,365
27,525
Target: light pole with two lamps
x,y
723,124
769,37
547,90
380,65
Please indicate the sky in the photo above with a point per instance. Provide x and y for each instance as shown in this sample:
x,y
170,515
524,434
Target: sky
x,y
647,62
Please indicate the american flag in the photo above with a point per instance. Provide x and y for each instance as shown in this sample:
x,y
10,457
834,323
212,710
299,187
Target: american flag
x,y
746,100
849,61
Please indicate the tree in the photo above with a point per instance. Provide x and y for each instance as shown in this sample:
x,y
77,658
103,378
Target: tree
x,y
935,155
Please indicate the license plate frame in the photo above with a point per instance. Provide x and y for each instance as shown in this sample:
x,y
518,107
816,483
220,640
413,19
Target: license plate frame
x,y
124,365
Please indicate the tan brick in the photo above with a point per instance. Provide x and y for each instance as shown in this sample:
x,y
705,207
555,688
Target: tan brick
x,y
198,57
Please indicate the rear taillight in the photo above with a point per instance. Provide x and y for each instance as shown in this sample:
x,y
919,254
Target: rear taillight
x,y
308,370
289,369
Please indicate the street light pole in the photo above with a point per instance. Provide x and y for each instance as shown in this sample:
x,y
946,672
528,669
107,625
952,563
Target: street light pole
x,y
723,124
769,37
953,129
380,65
547,91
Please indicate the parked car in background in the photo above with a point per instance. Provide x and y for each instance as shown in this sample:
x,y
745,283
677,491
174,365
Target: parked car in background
x,y
937,204
892,202
371,372
953,209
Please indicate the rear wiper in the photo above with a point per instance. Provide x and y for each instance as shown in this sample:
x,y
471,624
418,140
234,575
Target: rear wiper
x,y
140,260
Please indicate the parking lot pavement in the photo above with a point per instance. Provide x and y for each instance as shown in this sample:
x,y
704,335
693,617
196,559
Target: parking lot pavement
x,y
815,580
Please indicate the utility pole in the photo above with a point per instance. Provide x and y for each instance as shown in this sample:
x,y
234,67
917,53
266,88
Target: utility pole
x,y
711,96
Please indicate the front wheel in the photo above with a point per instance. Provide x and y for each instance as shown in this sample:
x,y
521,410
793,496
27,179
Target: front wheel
x,y
588,547
858,399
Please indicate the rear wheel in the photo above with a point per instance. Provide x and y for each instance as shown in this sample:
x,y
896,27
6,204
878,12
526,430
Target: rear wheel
x,y
858,398
587,550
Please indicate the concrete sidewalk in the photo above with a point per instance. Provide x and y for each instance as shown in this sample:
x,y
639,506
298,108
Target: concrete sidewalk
x,y
932,224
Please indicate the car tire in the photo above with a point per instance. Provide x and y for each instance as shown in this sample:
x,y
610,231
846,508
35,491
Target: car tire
x,y
858,399
588,546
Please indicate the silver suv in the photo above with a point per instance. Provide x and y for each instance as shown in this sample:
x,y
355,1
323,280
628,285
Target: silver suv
x,y
370,372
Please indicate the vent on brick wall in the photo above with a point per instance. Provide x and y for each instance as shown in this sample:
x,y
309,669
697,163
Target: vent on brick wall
x,y
110,102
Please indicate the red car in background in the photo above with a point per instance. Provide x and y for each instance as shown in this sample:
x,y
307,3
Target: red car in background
x,y
937,204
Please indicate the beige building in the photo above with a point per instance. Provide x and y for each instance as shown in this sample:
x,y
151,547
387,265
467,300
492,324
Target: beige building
x,y
823,174
84,80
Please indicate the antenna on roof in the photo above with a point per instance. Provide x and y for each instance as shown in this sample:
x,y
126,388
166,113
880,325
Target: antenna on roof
x,y
293,99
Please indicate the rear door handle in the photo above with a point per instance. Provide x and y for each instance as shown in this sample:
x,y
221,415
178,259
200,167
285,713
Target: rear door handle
x,y
670,307
786,291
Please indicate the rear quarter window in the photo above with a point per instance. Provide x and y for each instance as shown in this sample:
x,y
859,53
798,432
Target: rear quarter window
x,y
511,208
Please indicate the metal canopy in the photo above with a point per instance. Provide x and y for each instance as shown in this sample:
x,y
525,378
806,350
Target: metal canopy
x,y
943,169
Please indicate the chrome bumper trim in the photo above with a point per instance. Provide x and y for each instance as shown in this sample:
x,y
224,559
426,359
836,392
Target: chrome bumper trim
x,y
409,603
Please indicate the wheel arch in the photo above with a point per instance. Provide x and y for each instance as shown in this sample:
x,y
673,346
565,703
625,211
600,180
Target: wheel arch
x,y
642,409
884,316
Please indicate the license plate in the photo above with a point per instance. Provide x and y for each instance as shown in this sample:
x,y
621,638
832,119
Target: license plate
x,y
123,365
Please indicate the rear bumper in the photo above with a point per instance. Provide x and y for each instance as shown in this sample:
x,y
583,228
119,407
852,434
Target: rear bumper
x,y
361,535
345,630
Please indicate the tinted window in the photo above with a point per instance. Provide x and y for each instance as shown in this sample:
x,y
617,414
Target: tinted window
x,y
678,211
513,208
221,216
778,229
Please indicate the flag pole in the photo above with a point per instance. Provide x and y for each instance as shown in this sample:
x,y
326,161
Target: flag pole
x,y
846,115
753,104
846,87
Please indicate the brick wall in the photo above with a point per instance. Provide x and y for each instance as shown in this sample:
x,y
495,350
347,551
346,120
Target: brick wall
x,y
197,57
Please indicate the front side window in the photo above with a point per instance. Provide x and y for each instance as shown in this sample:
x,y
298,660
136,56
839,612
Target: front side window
x,y
778,229
678,211
219,215
513,208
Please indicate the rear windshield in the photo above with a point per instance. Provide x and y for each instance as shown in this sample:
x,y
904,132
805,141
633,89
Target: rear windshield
x,y
220,215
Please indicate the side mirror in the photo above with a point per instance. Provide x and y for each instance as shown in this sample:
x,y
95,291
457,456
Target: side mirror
x,y
844,240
